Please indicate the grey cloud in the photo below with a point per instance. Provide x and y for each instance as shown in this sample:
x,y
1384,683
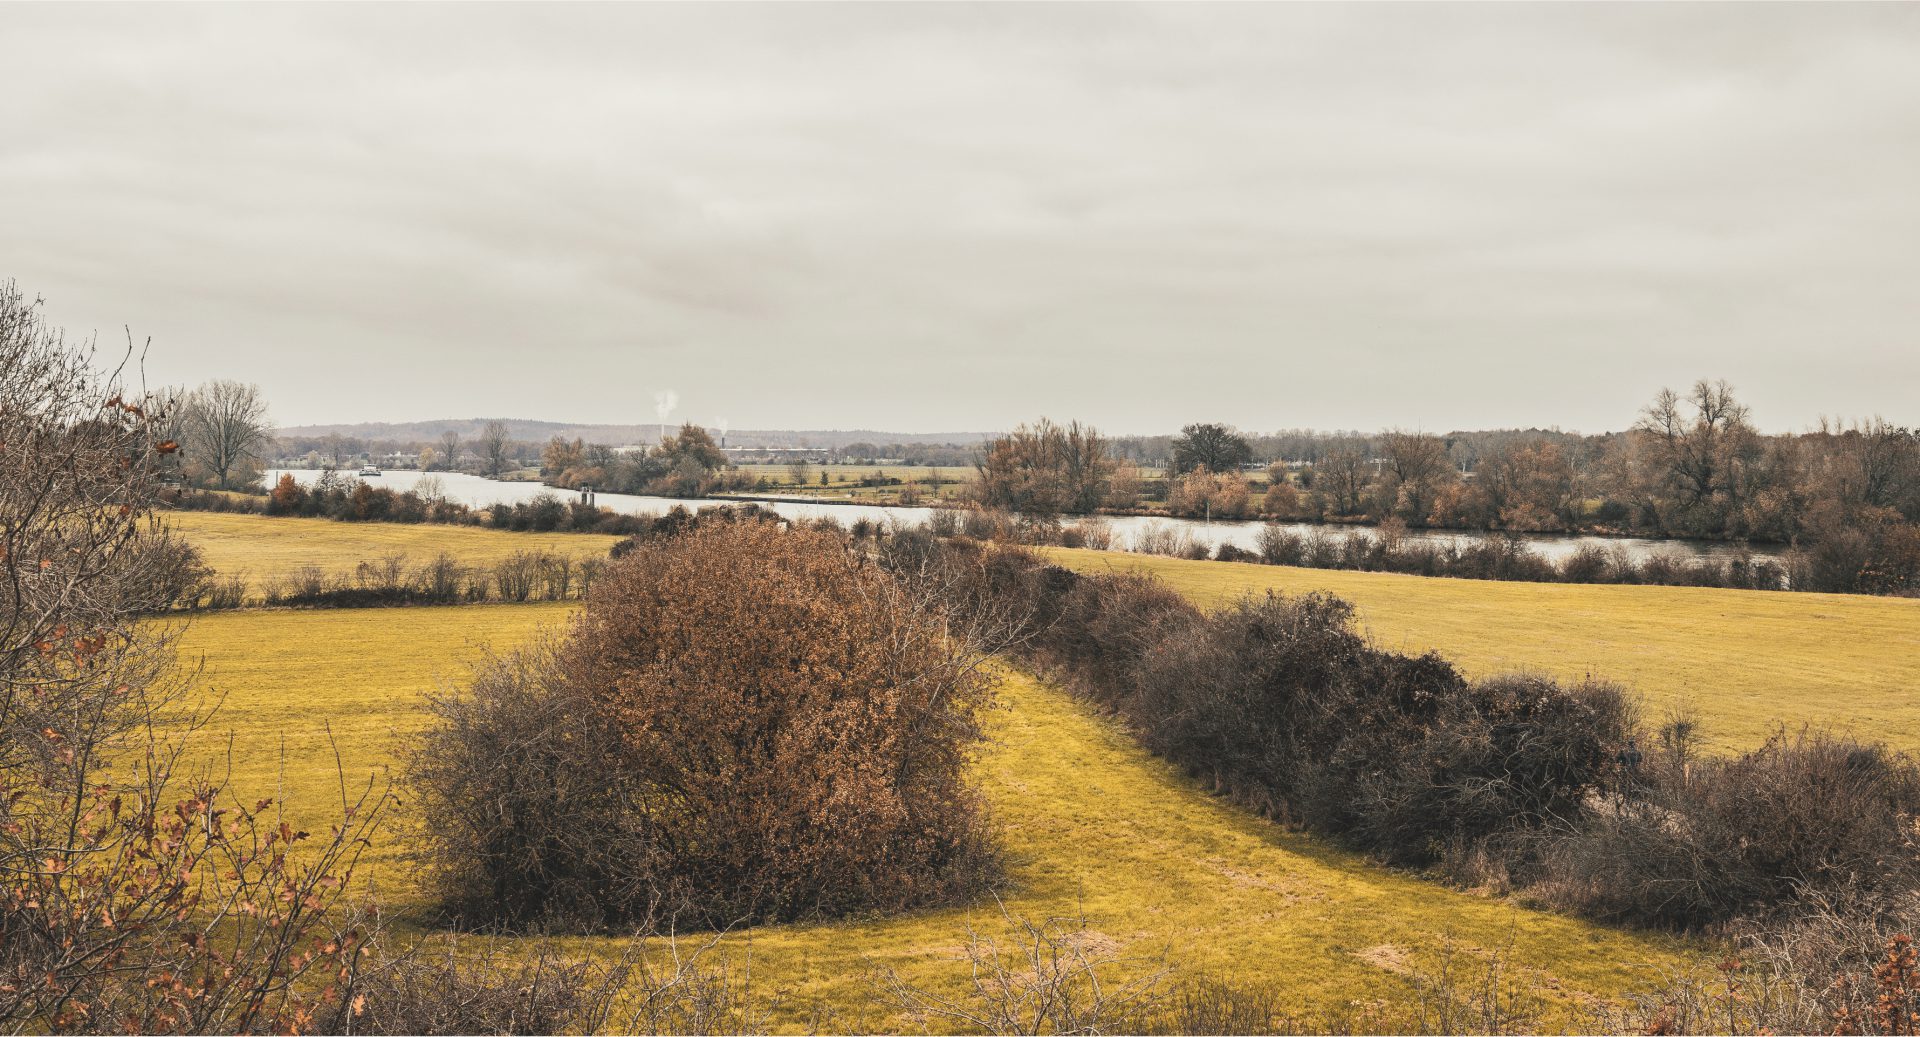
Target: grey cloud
x,y
930,216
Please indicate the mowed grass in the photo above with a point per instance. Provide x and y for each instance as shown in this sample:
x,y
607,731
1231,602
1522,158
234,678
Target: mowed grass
x,y
1742,661
1090,821
263,547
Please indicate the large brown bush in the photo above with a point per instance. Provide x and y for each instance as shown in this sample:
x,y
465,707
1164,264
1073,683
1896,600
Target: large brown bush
x,y
746,723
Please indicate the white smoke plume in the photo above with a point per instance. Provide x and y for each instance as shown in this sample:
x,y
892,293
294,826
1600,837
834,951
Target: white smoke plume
x,y
664,403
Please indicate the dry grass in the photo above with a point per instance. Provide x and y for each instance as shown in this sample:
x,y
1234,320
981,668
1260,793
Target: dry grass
x,y
1090,820
261,546
1742,660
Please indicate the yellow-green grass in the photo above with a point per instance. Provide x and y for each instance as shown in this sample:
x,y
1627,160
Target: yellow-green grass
x,y
1742,661
844,473
263,547
1089,821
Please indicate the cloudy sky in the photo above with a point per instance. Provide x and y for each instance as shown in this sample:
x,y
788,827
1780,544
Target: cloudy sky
x,y
939,218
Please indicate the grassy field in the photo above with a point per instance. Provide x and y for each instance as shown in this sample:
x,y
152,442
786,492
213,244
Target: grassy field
x,y
1742,661
262,547
1091,822
843,479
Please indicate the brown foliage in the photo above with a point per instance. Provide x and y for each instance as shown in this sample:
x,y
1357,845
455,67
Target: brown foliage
x,y
746,722
803,721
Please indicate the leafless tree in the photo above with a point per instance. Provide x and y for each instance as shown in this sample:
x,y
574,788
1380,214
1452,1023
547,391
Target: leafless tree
x,y
336,448
1874,463
450,450
226,427
1045,469
493,444
1415,465
1343,473
1698,445
130,899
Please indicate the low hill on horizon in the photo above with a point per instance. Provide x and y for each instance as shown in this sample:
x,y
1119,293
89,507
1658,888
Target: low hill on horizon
x,y
615,435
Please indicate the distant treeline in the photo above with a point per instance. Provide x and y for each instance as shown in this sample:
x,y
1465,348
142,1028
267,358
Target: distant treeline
x,y
494,447
342,499
1389,550
1692,466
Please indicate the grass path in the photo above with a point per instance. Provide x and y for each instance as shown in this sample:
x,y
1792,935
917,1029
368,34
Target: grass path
x,y
1090,820
1742,660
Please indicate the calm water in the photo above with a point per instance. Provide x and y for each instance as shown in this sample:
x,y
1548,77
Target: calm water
x,y
477,492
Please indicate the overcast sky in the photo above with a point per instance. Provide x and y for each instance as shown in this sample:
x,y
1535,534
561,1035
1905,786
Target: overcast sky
x,y
932,218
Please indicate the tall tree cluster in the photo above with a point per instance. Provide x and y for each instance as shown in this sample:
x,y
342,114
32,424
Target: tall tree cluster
x,y
222,430
685,463
1047,469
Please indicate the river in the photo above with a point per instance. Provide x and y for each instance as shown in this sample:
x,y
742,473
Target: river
x,y
476,492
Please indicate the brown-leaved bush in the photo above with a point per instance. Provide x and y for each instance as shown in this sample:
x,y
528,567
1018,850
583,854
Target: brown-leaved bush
x,y
746,723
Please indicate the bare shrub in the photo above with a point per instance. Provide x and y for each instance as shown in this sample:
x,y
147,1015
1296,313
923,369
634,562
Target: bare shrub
x,y
657,984
1160,538
1047,976
226,592
1465,993
1320,550
1587,564
944,522
1095,534
1211,1005
440,578
987,524
589,570
451,990
1693,844
556,576
1278,545
1840,965
308,581
385,576
516,575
